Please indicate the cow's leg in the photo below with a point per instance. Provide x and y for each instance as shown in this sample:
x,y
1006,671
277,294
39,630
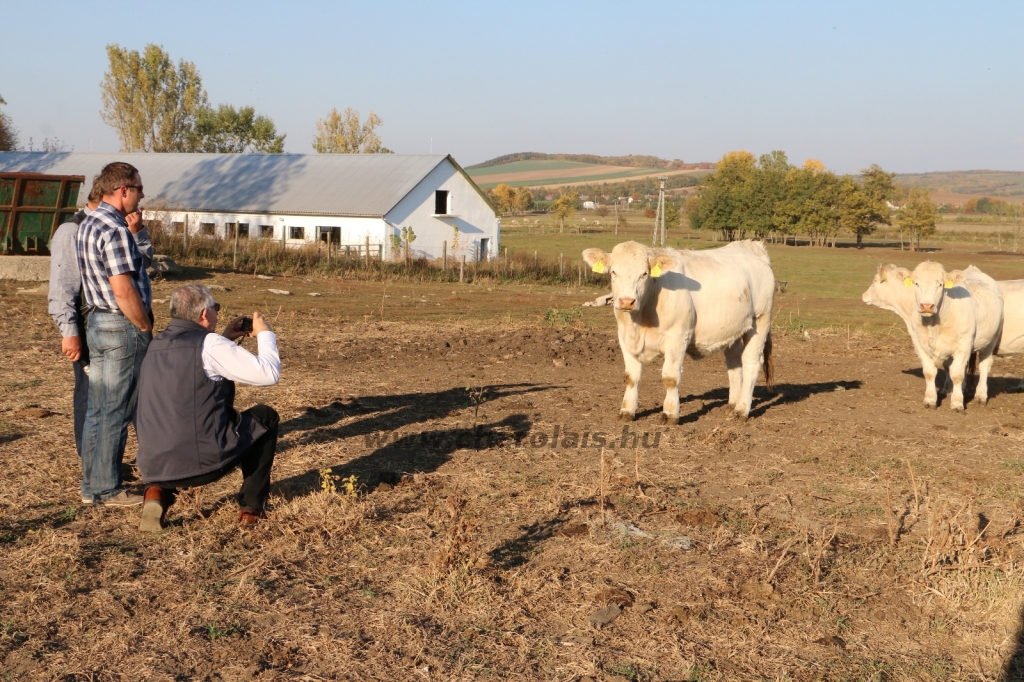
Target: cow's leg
x,y
929,370
630,400
957,372
947,387
734,368
671,374
985,359
753,357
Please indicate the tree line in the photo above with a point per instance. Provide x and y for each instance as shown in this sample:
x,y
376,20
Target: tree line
x,y
767,197
157,105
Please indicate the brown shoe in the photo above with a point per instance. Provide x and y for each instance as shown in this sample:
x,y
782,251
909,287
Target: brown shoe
x,y
250,518
154,509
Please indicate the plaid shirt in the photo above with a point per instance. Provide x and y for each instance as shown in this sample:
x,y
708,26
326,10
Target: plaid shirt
x,y
106,248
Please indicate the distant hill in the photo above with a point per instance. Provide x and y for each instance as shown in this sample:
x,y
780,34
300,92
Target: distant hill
x,y
988,183
629,161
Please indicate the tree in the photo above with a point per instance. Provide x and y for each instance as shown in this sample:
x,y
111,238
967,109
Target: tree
x,y
671,215
408,237
505,198
342,133
231,131
149,102
722,204
8,133
879,191
917,216
524,199
565,207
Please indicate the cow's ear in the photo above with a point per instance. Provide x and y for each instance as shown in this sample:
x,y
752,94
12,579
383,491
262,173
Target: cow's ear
x,y
952,279
660,263
902,274
884,271
598,260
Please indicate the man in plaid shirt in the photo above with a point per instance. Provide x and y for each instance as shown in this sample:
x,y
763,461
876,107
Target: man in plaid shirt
x,y
116,288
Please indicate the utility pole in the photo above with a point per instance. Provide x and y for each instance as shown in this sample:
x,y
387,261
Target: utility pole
x,y
659,217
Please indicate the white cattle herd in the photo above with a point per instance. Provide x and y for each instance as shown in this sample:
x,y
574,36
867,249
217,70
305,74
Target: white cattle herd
x,y
673,302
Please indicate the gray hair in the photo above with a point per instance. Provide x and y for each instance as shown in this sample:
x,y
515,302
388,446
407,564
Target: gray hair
x,y
189,302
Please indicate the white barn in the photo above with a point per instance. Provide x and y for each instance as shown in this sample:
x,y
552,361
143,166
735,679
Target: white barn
x,y
351,199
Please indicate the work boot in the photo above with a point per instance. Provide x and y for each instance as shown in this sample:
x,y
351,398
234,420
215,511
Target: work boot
x,y
250,518
122,499
154,509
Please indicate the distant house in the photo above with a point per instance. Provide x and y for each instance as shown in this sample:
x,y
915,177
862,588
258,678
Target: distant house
x,y
350,199
589,205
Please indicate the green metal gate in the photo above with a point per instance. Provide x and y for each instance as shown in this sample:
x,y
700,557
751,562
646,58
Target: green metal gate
x,y
32,205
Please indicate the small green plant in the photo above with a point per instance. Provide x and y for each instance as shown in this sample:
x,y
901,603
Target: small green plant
x,y
349,486
627,670
327,480
1015,465
563,318
408,237
215,632
68,514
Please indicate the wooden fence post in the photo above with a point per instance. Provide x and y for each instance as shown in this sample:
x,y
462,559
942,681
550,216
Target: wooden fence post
x,y
444,256
462,267
234,259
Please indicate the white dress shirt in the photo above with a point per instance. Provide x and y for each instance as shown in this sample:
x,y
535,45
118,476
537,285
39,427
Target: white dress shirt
x,y
224,359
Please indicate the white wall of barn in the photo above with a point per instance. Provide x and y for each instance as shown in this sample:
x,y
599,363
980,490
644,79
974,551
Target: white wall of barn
x,y
353,230
474,217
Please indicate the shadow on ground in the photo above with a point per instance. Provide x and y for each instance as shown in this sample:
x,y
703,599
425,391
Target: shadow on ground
x,y
763,401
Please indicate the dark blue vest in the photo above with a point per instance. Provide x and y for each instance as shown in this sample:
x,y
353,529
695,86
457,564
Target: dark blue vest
x,y
186,423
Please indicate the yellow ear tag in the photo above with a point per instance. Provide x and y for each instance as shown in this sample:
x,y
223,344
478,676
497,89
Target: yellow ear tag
x,y
598,267
656,271
909,282
949,284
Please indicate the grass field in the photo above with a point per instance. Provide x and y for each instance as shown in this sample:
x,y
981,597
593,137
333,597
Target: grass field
x,y
527,167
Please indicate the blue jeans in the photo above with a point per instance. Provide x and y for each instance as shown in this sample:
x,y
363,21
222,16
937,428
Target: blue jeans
x,y
116,350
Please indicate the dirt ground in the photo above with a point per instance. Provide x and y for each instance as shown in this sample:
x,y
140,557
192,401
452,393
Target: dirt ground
x,y
844,532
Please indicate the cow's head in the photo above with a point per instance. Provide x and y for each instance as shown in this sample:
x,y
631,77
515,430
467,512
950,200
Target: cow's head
x,y
888,289
930,281
632,267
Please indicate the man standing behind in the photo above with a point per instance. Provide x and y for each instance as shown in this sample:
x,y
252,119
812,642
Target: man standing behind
x,y
190,433
67,308
117,291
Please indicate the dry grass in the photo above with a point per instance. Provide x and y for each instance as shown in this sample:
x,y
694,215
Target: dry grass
x,y
843,533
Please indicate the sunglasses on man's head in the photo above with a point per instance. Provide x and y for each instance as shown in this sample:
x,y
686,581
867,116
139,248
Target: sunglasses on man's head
x,y
216,306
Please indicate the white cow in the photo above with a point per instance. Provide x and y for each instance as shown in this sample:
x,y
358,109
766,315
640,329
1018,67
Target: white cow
x,y
955,315
695,302
889,292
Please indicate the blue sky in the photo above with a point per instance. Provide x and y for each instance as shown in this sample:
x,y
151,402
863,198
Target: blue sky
x,y
913,86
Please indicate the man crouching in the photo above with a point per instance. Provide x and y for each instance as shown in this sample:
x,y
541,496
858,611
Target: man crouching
x,y
190,433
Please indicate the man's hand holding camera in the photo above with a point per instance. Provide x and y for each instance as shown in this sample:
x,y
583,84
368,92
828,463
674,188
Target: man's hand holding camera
x,y
243,326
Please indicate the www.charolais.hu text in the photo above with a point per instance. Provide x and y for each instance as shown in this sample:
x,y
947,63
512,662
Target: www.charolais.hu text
x,y
558,437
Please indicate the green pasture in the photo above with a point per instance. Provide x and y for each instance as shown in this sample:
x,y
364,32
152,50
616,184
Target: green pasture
x,y
823,285
526,167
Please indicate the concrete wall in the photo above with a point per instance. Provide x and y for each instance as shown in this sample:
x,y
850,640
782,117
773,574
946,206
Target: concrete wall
x,y
467,210
25,268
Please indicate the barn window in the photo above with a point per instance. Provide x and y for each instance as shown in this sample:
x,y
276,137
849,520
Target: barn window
x,y
267,231
177,228
296,232
243,230
441,202
208,229
334,232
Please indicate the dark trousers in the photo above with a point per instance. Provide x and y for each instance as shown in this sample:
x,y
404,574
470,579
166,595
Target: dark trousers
x,y
80,402
255,464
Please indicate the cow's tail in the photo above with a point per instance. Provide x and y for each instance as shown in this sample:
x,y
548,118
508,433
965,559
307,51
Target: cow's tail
x,y
972,364
768,366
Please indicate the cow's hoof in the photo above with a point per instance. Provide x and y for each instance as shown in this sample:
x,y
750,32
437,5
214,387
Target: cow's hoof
x,y
930,406
982,401
668,419
625,417
742,417
958,408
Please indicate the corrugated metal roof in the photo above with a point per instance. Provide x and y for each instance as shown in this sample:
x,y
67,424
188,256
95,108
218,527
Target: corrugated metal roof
x,y
328,184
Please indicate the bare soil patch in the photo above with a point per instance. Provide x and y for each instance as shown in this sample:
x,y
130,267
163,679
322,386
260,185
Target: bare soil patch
x,y
843,532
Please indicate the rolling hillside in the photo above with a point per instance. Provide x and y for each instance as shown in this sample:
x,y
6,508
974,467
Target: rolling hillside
x,y
967,184
531,169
